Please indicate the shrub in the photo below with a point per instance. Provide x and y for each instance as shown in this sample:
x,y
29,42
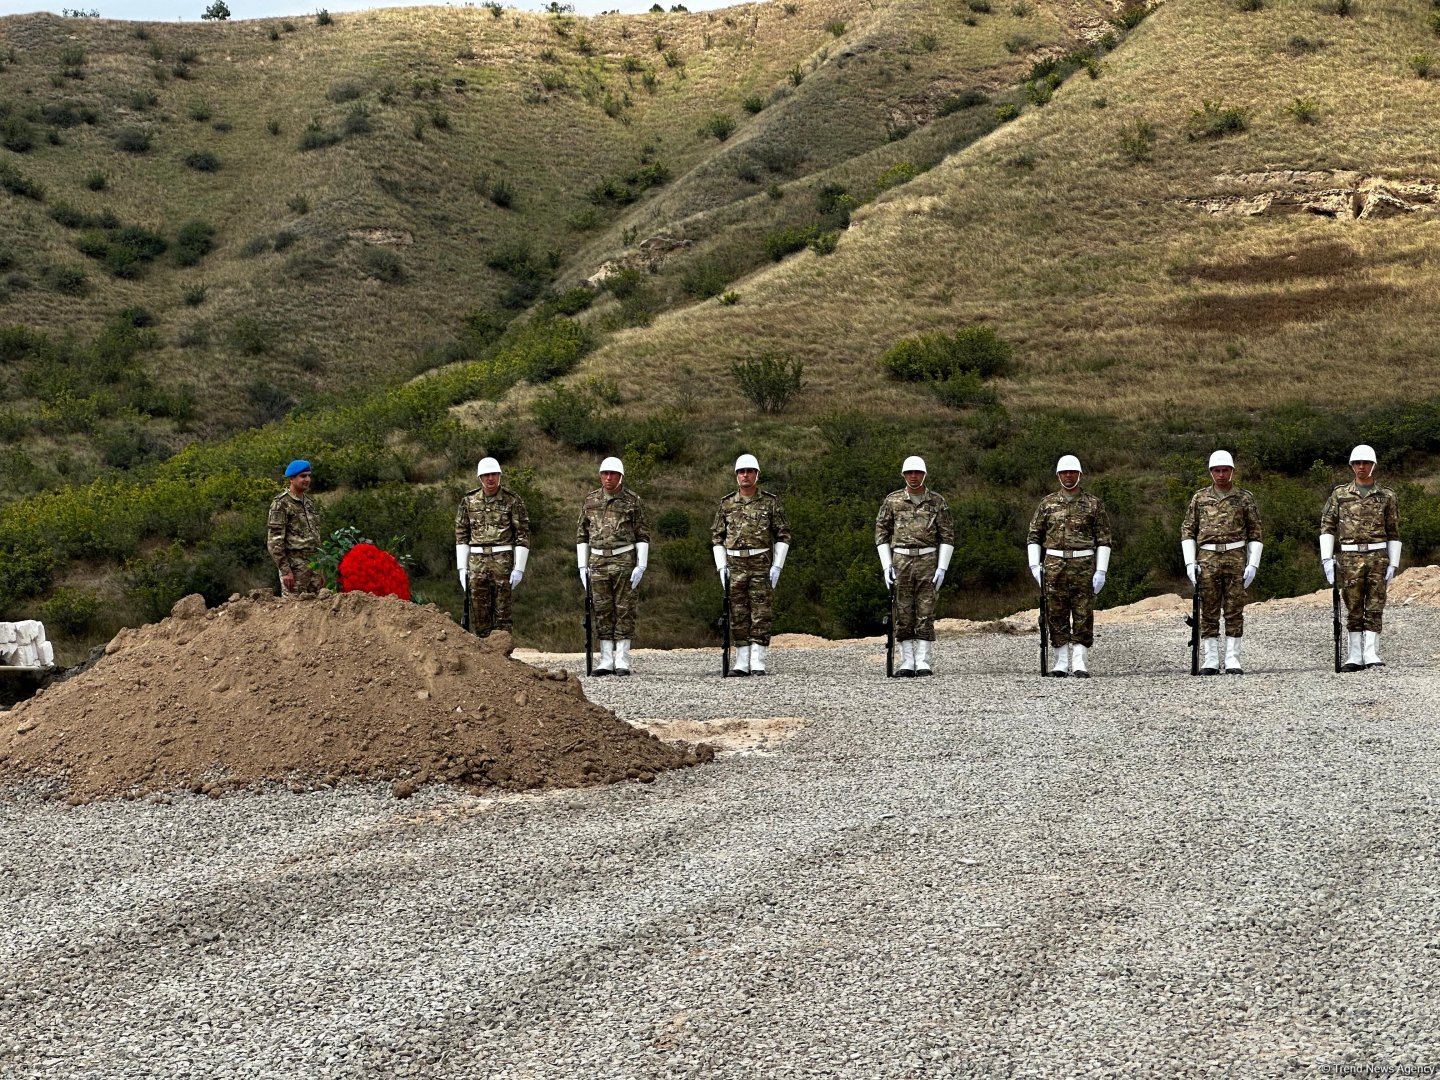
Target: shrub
x,y
16,134
269,403
753,104
664,436
835,27
67,280
771,381
1304,110
1250,5
1300,45
1016,44
132,141
684,559
383,265
980,7
1137,139
143,100
902,172
1342,8
797,75
97,180
70,611
202,161
963,390
17,183
730,298
721,126
193,242
573,417
824,243
937,355
200,111
1422,64
502,194
440,119
673,524
323,18
1132,14
317,137
1006,111
1214,120
347,90
285,239
782,242
357,121
249,336
194,295
967,99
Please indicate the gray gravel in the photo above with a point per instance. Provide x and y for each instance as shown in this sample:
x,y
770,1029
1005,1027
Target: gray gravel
x,y
979,874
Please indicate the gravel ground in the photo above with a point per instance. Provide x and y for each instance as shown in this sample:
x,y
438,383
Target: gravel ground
x,y
979,874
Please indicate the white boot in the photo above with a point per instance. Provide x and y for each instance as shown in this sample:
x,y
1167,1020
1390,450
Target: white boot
x,y
922,658
1078,666
606,664
1210,656
622,657
1232,656
757,659
1060,662
741,667
1356,658
1372,649
906,670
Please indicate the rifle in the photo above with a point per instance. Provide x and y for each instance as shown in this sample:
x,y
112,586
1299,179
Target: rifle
x,y
724,627
465,611
1335,614
587,622
1194,620
1044,628
890,636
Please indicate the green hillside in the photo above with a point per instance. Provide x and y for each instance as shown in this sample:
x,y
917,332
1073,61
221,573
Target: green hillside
x,y
368,242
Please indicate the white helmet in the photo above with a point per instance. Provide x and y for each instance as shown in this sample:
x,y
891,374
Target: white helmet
x,y
1363,453
1221,457
1068,463
912,463
612,464
487,465
746,461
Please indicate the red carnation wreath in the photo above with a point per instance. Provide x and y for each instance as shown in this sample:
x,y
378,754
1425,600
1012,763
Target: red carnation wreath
x,y
367,568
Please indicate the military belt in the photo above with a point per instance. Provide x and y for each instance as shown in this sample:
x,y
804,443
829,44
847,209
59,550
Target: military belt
x,y
1073,553
1222,547
613,551
914,551
490,549
1363,547
740,553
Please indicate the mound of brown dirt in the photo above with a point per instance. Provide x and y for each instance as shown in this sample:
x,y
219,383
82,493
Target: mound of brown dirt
x,y
348,686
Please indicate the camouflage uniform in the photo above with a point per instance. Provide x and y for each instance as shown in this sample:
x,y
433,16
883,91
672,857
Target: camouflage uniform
x,y
485,522
1065,522
754,524
918,523
1357,516
1222,518
293,538
608,522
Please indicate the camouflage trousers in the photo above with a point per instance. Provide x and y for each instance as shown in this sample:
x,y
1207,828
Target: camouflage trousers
x,y
306,580
612,601
490,592
1222,587
751,611
915,596
1070,600
1361,576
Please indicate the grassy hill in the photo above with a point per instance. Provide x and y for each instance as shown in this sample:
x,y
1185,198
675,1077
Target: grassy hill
x,y
1210,225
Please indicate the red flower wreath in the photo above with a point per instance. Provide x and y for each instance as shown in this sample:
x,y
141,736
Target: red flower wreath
x,y
366,568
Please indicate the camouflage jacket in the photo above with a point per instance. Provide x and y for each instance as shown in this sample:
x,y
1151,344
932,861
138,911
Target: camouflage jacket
x,y
492,519
903,522
756,522
292,531
1354,518
611,521
1070,522
1221,517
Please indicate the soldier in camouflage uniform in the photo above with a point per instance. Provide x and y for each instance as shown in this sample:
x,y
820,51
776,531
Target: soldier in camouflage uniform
x,y
1071,532
292,533
1365,519
492,547
1223,522
750,539
612,546
915,537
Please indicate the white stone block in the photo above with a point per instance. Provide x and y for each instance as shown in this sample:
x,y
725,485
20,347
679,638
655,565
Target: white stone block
x,y
7,633
29,630
47,654
20,655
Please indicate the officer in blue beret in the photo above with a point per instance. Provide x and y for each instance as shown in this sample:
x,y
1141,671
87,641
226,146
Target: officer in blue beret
x,y
293,533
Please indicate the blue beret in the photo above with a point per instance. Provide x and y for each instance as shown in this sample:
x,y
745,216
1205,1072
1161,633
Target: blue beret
x,y
295,468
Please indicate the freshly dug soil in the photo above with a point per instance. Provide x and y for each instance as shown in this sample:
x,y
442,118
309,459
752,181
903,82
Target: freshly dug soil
x,y
313,691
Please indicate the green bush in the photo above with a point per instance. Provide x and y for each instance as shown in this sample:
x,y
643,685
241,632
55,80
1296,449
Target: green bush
x,y
67,280
155,583
317,137
825,243
709,277
1137,139
345,90
323,18
202,161
132,141
771,381
787,241
1214,120
753,104
249,336
684,559
721,126
357,121
673,524
383,265
939,356
574,418
664,436
964,390
70,611
193,242
97,180
16,134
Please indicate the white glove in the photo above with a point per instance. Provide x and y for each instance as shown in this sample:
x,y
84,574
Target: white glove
x,y
516,576
636,575
1249,578
1392,549
522,557
464,578
1191,571
462,564
1329,566
887,571
582,559
1389,573
939,578
890,577
724,576
1035,573
584,577
774,576
1033,553
1098,581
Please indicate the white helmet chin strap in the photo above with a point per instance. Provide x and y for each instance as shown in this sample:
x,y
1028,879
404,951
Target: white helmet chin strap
x,y
1070,487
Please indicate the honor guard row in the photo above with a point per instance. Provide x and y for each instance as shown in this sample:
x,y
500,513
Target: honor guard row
x,y
1068,547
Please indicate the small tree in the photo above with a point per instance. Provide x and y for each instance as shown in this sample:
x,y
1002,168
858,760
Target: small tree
x,y
770,380
219,11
